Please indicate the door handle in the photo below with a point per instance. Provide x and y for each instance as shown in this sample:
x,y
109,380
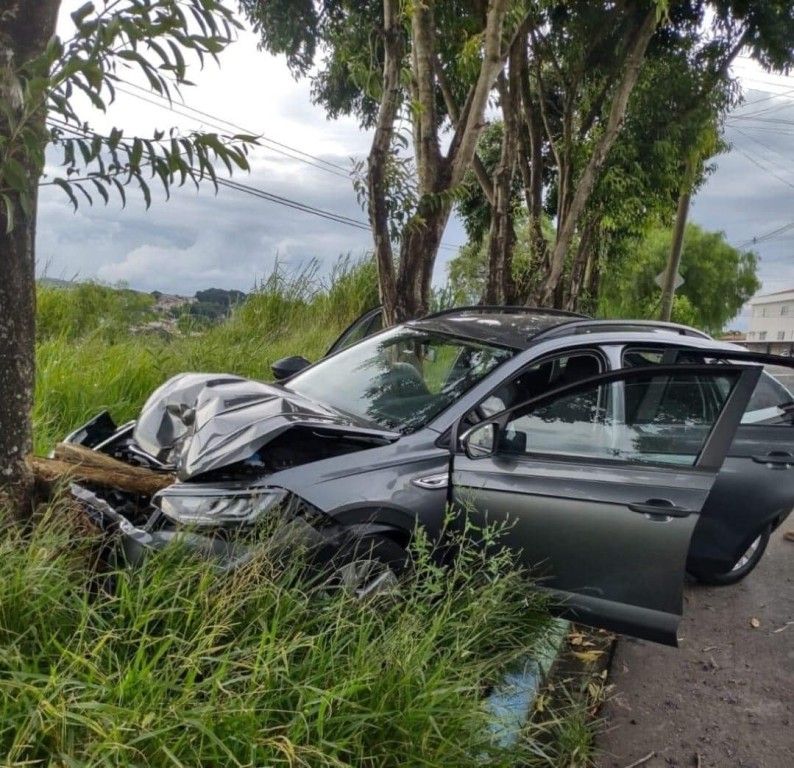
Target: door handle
x,y
660,508
778,458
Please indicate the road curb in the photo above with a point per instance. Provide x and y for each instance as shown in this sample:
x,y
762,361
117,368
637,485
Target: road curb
x,y
510,702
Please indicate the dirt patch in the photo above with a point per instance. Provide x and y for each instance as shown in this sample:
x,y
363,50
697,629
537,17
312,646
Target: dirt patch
x,y
724,698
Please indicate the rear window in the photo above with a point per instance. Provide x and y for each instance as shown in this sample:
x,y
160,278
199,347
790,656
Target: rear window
x,y
771,403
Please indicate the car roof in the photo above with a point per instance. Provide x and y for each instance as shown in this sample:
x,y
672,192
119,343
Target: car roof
x,y
519,328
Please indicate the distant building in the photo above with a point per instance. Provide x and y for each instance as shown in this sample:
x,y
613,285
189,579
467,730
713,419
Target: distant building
x,y
772,323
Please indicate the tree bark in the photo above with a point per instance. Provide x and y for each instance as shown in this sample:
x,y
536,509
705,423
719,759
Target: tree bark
x,y
579,265
26,26
377,163
531,163
80,464
464,140
500,287
408,295
590,175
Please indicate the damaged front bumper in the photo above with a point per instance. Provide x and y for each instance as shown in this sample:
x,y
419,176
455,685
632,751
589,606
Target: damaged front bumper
x,y
292,526
131,544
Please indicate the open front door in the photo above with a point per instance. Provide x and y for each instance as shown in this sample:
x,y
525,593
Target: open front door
x,y
601,484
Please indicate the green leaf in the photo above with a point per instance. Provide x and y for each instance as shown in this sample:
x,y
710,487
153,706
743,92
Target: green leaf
x,y
120,187
147,194
14,175
66,187
137,153
100,187
8,204
81,13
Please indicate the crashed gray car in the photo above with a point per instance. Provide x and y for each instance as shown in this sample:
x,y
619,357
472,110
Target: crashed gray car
x,y
620,453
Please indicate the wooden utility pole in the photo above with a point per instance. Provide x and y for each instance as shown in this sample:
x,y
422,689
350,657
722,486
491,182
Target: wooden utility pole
x,y
674,262
677,247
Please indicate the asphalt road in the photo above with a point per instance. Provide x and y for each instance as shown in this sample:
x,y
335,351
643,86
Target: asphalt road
x,y
725,697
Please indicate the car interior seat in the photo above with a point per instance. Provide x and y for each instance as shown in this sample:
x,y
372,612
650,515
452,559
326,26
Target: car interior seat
x,y
577,368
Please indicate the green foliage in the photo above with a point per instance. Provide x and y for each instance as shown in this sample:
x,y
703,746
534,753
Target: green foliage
x,y
347,78
182,665
769,26
473,207
86,308
468,270
88,361
719,279
150,39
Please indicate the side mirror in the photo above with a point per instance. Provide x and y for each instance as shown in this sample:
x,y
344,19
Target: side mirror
x,y
481,441
288,366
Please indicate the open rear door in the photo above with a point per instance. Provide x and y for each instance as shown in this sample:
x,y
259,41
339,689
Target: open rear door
x,y
754,491
602,483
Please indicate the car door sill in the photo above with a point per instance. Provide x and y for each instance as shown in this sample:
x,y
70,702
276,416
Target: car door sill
x,y
625,619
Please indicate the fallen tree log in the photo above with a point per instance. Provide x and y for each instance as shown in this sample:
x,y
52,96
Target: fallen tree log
x,y
77,463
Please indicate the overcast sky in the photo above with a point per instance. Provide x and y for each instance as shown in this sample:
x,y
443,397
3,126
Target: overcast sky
x,y
231,240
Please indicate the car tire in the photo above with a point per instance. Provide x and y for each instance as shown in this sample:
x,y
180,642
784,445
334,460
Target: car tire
x,y
744,565
369,564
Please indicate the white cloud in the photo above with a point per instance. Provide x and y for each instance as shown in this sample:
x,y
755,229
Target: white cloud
x,y
198,240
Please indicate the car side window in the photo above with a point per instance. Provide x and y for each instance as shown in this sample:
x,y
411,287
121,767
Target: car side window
x,y
539,378
771,402
665,422
370,323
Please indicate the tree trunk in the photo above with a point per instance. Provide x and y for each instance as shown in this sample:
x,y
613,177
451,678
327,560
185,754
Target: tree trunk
x,y
592,280
501,240
500,288
75,462
579,266
421,238
17,358
590,175
531,162
25,28
674,262
406,294
377,163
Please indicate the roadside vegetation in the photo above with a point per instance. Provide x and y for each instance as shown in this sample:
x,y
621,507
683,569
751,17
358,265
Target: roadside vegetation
x,y
88,358
174,663
178,664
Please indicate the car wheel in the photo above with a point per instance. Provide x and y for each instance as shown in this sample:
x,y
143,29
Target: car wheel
x,y
743,566
369,565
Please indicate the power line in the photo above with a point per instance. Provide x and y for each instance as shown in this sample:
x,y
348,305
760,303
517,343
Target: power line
x,y
166,103
261,193
755,161
771,96
767,235
760,143
256,192
763,129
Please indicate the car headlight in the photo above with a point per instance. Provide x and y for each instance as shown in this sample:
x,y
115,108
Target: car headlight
x,y
194,505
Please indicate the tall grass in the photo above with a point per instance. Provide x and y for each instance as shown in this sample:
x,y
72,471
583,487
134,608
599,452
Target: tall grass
x,y
181,665
83,308
83,368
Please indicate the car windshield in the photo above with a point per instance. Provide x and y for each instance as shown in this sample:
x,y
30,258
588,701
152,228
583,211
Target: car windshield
x,y
399,379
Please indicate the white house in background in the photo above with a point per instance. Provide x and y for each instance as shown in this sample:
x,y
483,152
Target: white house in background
x,y
772,323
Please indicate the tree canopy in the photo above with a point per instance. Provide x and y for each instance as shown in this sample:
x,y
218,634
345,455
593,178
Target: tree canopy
x,y
718,279
40,76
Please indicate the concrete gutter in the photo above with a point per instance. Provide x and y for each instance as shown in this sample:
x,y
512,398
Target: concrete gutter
x,y
510,703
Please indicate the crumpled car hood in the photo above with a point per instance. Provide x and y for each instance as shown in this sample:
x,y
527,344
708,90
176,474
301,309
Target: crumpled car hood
x,y
197,422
